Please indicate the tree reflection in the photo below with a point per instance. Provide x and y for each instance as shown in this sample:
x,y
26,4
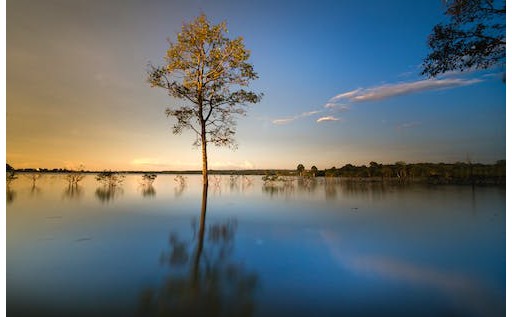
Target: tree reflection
x,y
148,191
111,185
10,195
106,194
73,192
181,182
35,190
146,185
204,281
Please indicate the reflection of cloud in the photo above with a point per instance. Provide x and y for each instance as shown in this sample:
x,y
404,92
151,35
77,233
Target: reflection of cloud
x,y
290,119
392,90
461,288
326,119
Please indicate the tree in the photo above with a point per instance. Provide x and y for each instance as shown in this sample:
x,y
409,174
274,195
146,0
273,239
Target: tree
x,y
300,169
474,38
207,72
314,170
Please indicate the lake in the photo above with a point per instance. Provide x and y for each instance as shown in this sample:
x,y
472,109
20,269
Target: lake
x,y
313,247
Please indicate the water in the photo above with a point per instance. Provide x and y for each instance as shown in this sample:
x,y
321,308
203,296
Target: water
x,y
313,248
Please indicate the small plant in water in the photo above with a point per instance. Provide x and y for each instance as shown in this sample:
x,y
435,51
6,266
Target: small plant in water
x,y
34,177
181,180
10,177
110,179
73,178
216,180
148,179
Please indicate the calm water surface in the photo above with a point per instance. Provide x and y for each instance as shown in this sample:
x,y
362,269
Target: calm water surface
x,y
321,248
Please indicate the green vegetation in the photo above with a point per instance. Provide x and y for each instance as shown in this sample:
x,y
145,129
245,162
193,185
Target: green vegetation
x,y
474,38
434,173
207,71
110,179
148,179
440,173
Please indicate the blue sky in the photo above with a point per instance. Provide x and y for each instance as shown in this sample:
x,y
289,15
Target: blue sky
x,y
340,80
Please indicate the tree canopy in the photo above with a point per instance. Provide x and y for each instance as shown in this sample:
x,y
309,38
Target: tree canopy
x,y
474,37
207,71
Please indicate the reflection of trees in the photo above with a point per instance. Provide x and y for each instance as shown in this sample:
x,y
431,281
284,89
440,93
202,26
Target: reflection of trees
x,y
331,189
181,185
215,181
10,195
111,182
274,184
73,192
33,177
307,183
203,282
373,191
10,177
234,182
35,190
148,191
106,194
246,183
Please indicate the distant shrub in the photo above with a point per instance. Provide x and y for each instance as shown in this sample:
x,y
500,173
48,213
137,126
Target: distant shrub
x,y
110,179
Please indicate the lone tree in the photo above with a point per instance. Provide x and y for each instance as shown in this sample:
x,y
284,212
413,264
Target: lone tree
x,y
207,71
474,37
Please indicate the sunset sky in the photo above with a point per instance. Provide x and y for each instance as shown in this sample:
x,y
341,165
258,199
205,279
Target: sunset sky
x,y
340,80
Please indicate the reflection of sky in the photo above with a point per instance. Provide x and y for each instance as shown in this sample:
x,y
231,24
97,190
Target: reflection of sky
x,y
435,248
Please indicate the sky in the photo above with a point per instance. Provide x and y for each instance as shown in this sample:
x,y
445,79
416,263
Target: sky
x,y
341,83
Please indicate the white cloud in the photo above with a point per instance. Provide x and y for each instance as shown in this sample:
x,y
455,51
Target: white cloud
x,y
232,165
337,106
346,95
291,119
282,121
407,125
328,118
398,89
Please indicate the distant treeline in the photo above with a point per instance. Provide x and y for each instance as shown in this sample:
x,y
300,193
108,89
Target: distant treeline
x,y
434,173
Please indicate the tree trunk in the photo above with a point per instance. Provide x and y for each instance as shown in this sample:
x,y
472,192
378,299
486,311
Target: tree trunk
x,y
200,238
205,156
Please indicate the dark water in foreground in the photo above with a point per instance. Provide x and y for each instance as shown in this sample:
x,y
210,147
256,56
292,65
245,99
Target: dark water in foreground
x,y
322,248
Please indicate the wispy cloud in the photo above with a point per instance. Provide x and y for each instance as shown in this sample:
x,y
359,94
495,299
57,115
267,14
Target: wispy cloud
x,y
346,95
326,119
408,125
337,106
398,89
291,119
236,165
344,100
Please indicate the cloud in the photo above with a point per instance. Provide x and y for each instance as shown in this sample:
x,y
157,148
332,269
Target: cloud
x,y
407,125
283,121
398,89
337,106
232,165
325,119
291,119
346,95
